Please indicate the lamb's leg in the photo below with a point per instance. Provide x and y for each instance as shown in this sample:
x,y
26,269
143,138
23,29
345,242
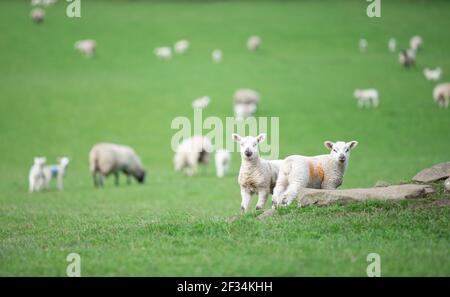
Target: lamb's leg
x,y
246,195
280,188
94,177
59,182
100,180
31,185
116,178
291,193
262,198
128,179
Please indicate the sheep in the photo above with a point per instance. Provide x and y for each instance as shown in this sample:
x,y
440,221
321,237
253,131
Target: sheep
x,y
407,58
415,43
36,178
217,55
256,175
37,15
87,47
243,110
319,172
164,52
433,74
366,97
109,158
201,103
441,94
223,161
363,44
57,171
246,96
253,43
392,44
192,152
181,46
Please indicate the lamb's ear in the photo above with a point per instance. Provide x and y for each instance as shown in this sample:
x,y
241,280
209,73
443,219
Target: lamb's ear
x,y
236,137
328,144
260,138
352,144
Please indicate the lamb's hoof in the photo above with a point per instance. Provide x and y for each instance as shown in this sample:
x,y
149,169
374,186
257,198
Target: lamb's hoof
x,y
258,208
242,210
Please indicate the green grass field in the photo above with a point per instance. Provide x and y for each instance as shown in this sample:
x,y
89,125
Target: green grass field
x,y
55,102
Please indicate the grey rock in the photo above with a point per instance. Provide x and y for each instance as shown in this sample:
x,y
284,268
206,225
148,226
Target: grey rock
x,y
381,183
266,214
437,172
447,185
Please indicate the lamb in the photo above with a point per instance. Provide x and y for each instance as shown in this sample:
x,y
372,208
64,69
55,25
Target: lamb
x,y
243,111
217,55
57,171
37,15
319,172
192,152
366,97
36,178
253,43
363,44
201,103
223,161
392,44
164,52
433,74
415,43
181,46
441,94
245,103
256,175
109,158
87,47
407,58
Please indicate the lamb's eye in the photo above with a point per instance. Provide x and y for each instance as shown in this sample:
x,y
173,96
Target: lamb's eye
x,y
346,150
334,150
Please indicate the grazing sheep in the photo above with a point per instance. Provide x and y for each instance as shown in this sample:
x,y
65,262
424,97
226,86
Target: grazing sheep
x,y
217,55
164,52
433,74
86,47
57,171
319,172
181,46
36,177
246,96
191,152
256,175
407,58
416,43
107,158
223,161
441,94
201,102
244,110
392,44
363,44
366,97
253,43
37,15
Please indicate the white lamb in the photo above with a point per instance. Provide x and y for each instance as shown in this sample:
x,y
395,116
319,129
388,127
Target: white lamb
x,y
164,52
109,158
57,171
192,152
244,110
253,43
37,15
366,97
392,44
433,74
217,56
256,175
181,46
363,44
86,47
223,161
441,94
201,102
319,172
246,96
36,177
407,57
416,43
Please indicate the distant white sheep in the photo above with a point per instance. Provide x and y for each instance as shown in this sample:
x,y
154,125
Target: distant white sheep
x,y
181,46
367,97
253,43
244,110
57,171
433,74
416,43
192,152
201,102
246,96
36,177
363,44
392,45
87,47
319,172
223,161
217,56
441,95
37,15
164,52
407,58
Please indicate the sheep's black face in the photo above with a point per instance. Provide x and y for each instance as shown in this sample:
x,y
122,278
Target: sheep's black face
x,y
140,177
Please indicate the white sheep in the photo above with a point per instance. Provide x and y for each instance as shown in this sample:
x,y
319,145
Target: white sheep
x,y
87,47
256,175
246,96
433,74
181,46
163,52
363,44
366,97
244,110
407,57
36,177
441,94
37,15
57,171
319,172
223,161
201,103
416,43
192,152
217,55
109,158
253,43
392,45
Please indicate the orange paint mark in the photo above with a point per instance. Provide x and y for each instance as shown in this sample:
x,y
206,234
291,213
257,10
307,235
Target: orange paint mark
x,y
311,171
320,173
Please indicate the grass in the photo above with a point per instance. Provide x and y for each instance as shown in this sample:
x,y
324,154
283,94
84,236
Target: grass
x,y
54,102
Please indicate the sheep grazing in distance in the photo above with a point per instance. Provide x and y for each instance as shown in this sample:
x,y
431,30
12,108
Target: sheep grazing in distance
x,y
392,45
57,171
407,58
253,43
109,158
433,74
192,152
319,172
217,55
164,52
441,95
223,161
37,15
363,44
367,97
245,103
256,175
416,43
36,177
181,46
201,102
87,47
243,111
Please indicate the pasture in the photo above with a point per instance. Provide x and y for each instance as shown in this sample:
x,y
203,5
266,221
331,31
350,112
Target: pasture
x,y
56,102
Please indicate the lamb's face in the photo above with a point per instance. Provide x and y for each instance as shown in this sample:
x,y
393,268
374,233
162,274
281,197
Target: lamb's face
x,y
40,161
340,151
249,145
64,161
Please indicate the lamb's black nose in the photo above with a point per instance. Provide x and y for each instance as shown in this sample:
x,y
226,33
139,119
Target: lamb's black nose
x,y
248,153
